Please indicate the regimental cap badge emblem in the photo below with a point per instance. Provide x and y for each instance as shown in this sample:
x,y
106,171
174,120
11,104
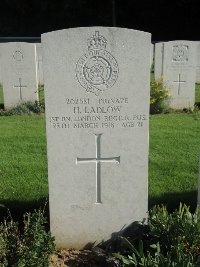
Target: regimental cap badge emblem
x,y
180,53
97,42
97,70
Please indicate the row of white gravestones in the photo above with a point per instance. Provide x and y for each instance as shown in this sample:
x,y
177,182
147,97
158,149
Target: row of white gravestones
x,y
176,62
182,91
97,111
10,100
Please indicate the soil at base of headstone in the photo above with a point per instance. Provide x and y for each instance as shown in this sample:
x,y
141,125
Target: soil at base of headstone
x,y
83,258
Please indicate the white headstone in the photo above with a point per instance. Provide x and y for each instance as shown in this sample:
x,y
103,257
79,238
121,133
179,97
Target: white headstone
x,y
151,55
179,72
97,105
158,62
198,63
39,64
1,80
18,61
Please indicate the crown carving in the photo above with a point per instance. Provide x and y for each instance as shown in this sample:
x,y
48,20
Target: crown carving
x,y
97,42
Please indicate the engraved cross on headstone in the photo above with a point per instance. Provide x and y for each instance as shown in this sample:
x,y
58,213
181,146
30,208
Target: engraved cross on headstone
x,y
179,83
98,160
20,86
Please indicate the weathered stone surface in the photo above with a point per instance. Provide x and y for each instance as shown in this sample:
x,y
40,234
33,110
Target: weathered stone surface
x,y
18,68
152,55
158,63
39,64
97,105
198,62
1,80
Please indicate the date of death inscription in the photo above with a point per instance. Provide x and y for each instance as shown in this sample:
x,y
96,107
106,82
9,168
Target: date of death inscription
x,y
105,113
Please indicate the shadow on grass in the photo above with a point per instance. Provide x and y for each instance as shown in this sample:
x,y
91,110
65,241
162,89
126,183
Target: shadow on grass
x,y
172,200
19,208
197,104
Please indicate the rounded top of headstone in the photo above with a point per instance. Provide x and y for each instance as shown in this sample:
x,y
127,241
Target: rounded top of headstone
x,y
96,28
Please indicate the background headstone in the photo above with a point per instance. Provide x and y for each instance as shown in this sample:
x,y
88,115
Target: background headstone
x,y
179,72
1,79
198,63
158,61
152,55
18,67
97,105
39,64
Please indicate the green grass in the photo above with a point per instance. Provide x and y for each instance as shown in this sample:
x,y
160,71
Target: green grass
x,y
173,160
23,162
174,156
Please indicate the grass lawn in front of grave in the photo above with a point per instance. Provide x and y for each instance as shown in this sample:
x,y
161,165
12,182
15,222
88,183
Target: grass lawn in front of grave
x,y
23,162
173,159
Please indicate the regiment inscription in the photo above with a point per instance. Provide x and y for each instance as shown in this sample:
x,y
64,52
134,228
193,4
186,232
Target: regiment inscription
x,y
97,113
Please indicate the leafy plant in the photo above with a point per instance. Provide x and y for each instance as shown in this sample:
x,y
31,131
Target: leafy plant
x,y
178,232
158,96
29,247
172,240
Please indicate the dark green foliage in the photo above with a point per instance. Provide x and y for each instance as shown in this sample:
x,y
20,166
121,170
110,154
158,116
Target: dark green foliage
x,y
179,231
9,242
26,108
169,240
30,246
